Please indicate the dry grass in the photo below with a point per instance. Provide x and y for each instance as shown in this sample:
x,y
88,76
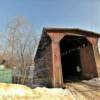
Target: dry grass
x,y
82,91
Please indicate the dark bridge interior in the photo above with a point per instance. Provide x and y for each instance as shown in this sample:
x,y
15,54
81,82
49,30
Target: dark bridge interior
x,y
70,57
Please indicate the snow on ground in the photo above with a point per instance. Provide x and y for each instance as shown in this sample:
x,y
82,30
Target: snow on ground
x,y
74,91
21,92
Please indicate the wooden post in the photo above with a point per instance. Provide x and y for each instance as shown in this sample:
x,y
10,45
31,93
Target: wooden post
x,y
56,59
57,70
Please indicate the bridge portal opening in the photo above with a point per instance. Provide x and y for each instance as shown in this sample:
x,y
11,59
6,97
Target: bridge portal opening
x,y
70,57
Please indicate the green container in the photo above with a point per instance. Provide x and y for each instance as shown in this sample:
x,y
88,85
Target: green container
x,y
6,75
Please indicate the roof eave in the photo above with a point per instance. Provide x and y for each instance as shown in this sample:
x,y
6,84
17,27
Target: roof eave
x,y
52,29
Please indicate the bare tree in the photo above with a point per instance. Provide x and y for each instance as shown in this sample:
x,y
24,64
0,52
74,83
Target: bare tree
x,y
21,42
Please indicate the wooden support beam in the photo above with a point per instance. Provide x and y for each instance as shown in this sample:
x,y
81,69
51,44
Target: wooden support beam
x,y
56,59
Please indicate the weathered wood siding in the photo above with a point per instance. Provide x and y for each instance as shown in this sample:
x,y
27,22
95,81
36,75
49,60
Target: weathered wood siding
x,y
43,63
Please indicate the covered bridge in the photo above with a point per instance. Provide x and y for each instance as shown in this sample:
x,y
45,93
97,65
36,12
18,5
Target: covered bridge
x,y
67,54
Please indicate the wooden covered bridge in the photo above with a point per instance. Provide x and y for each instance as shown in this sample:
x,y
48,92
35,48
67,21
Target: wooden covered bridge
x,y
67,54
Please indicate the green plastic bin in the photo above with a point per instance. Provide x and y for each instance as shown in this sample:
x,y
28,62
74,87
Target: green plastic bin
x,y
6,75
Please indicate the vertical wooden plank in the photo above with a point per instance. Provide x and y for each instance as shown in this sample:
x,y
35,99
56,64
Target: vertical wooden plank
x,y
56,59
57,70
94,41
88,62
